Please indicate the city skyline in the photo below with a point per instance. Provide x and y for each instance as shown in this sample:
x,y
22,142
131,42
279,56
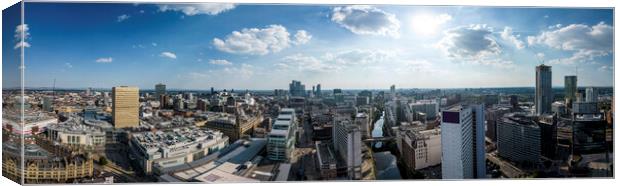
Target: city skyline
x,y
198,46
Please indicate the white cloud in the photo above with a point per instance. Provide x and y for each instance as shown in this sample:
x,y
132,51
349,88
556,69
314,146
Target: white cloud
x,y
416,66
168,55
19,30
581,56
330,62
154,44
302,37
68,65
122,18
586,42
366,20
244,71
197,9
514,39
220,62
540,56
474,44
259,41
302,62
104,60
606,68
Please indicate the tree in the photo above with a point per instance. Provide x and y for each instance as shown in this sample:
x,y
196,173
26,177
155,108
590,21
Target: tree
x,y
103,161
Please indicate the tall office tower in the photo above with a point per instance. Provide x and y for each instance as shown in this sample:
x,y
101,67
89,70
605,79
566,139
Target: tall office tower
x,y
462,142
318,90
544,94
313,91
518,139
393,90
297,89
212,91
160,89
591,95
347,140
125,107
570,89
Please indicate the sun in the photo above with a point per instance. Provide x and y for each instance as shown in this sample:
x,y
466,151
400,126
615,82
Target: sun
x,y
428,24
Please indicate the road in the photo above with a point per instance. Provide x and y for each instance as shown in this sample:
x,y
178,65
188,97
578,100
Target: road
x,y
303,162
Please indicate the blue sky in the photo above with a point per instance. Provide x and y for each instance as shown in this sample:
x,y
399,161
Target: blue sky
x,y
198,46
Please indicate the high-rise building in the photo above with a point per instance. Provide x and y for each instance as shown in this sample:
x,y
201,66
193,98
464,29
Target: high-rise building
x,y
393,90
160,89
591,95
462,142
544,94
518,139
347,140
125,107
297,89
318,90
492,115
164,101
548,135
570,89
588,129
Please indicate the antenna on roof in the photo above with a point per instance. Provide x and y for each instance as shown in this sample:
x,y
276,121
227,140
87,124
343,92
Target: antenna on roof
x,y
53,91
576,70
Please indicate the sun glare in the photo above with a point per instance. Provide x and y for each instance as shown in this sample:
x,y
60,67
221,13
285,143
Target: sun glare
x,y
428,24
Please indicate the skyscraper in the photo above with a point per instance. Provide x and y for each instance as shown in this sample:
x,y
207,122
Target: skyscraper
x,y
570,89
544,94
160,89
297,89
125,106
318,90
462,142
591,95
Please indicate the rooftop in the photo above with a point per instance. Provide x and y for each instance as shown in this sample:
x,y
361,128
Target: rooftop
x,y
173,137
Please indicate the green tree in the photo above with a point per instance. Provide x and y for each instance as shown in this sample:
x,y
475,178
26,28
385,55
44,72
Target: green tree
x,y
103,161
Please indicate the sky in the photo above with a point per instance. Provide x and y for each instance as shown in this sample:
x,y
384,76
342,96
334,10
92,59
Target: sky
x,y
253,46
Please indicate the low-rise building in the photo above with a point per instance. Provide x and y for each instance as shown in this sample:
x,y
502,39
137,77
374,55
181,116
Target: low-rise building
x,y
421,149
281,139
154,151
518,139
42,166
326,159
